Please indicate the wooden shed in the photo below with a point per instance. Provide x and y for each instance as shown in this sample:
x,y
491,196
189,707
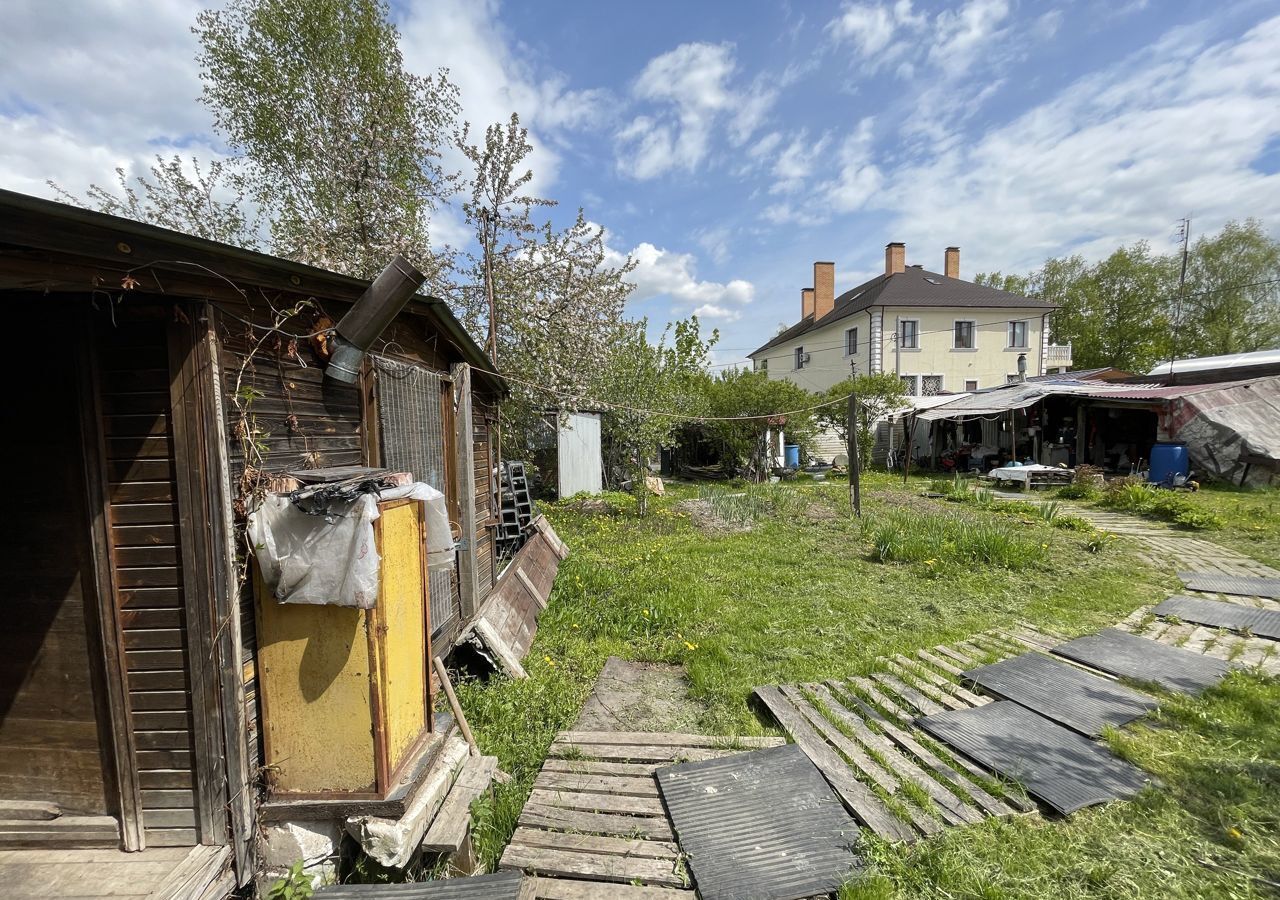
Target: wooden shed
x,y
156,379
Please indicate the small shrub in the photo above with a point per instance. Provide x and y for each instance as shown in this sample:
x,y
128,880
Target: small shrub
x,y
1131,494
295,885
1049,511
1078,491
984,497
1199,520
1072,523
1099,541
939,486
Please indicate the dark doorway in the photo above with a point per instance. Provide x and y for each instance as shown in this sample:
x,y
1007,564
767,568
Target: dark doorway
x,y
50,736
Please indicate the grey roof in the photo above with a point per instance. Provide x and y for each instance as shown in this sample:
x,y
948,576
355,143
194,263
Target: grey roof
x,y
914,287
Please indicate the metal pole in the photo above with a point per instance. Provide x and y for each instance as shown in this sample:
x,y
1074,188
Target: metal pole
x,y
855,464
909,426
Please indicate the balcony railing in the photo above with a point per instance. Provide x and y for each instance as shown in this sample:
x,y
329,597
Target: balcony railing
x,y
1058,356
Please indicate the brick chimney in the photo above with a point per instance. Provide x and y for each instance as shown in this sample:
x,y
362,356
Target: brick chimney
x,y
806,302
824,288
895,258
952,267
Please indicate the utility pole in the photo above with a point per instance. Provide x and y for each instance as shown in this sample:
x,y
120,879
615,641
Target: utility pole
x,y
855,464
1185,228
487,227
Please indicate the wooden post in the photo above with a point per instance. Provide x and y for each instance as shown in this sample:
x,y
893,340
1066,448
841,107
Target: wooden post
x,y
454,705
855,464
465,457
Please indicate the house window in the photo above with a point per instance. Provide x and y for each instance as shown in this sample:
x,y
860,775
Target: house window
x,y
909,334
930,385
800,357
971,385
964,334
762,365
851,342
909,382
1018,335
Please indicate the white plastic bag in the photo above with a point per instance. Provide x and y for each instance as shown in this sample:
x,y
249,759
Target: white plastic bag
x,y
334,560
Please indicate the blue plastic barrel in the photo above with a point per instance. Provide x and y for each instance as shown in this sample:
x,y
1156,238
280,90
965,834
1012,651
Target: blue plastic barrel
x,y
793,456
1168,460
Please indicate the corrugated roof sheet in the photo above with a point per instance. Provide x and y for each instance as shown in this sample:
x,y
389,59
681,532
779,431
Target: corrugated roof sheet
x,y
1020,395
914,287
1206,363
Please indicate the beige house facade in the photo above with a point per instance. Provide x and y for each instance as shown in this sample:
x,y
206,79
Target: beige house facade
x,y
937,332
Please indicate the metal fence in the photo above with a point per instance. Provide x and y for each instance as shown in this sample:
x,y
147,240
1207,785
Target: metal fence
x,y
412,422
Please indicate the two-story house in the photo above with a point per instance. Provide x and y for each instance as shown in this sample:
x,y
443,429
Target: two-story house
x,y
937,332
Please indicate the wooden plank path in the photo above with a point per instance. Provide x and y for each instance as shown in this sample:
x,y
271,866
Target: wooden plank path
x,y
594,826
895,779
1247,652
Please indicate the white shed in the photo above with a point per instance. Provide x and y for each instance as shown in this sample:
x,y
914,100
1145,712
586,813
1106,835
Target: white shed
x,y
579,465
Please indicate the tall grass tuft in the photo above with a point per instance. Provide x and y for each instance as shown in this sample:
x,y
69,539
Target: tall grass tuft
x,y
942,539
750,503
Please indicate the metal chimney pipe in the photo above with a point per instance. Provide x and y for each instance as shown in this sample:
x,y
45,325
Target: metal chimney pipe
x,y
369,317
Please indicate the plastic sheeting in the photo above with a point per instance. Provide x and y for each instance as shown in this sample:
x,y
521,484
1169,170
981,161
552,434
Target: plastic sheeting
x,y
1231,429
334,560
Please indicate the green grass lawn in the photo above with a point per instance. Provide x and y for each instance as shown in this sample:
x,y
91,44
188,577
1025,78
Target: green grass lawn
x,y
1251,519
804,595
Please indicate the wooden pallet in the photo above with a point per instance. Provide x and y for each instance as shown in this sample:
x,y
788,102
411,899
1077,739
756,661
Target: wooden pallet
x,y
895,779
594,825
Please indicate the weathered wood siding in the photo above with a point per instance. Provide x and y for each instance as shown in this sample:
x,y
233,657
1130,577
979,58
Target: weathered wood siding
x,y
133,379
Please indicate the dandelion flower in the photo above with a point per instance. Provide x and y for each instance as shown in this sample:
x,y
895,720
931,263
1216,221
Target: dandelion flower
x,y
691,646
551,662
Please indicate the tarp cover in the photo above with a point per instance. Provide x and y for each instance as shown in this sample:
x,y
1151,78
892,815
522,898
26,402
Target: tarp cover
x,y
1224,427
334,561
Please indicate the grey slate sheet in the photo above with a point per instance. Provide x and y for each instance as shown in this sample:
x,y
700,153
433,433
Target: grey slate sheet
x,y
1083,702
1231,584
1262,622
503,886
1130,656
1064,770
760,826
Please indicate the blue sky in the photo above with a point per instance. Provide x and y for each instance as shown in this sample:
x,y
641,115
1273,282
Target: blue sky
x,y
726,147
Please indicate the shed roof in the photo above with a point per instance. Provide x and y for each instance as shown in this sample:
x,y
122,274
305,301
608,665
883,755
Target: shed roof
x,y
1021,394
124,245
916,287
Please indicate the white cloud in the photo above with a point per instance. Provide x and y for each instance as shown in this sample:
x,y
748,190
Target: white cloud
x,y
689,93
74,105
797,161
1115,157
965,32
859,178
664,273
466,37
869,27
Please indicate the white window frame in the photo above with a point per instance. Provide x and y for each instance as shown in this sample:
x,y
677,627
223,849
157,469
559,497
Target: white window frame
x,y
913,390
762,365
916,336
1026,332
973,335
798,358
847,351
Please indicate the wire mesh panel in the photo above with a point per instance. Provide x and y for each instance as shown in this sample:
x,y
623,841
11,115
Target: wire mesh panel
x,y
412,422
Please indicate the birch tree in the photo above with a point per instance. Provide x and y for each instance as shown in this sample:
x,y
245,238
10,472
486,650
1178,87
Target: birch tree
x,y
343,142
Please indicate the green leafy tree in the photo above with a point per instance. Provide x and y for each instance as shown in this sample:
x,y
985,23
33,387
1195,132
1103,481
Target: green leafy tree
x,y
877,394
741,392
208,203
343,143
1229,306
644,377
